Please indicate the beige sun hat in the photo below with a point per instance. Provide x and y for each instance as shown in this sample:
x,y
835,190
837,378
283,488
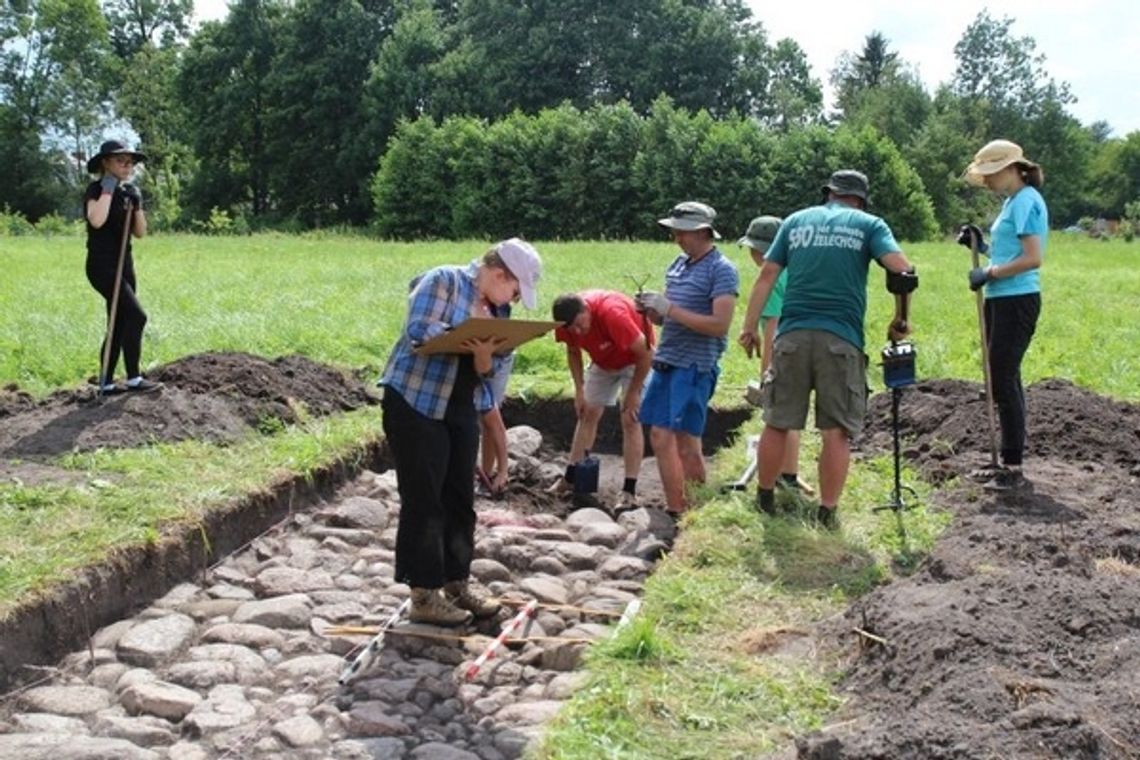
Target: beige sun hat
x,y
992,158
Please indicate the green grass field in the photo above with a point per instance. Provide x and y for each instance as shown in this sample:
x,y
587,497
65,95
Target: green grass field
x,y
693,676
340,300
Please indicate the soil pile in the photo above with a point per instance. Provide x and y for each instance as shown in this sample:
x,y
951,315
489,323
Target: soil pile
x,y
213,397
1019,636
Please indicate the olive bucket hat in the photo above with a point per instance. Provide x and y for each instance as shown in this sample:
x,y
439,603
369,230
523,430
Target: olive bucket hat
x,y
112,148
992,158
691,215
849,182
761,232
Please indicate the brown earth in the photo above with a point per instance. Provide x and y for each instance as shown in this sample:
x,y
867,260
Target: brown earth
x,y
1019,636
213,397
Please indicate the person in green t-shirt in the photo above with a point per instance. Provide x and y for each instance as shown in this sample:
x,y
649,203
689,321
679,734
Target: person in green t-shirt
x,y
761,232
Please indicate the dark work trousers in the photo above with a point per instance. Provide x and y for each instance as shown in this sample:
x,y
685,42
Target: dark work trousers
x,y
435,475
130,319
1010,323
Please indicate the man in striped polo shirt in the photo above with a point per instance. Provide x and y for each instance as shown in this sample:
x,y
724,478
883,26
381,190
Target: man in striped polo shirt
x,y
694,312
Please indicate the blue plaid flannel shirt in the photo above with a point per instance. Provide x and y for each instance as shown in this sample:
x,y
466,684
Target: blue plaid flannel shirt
x,y
441,299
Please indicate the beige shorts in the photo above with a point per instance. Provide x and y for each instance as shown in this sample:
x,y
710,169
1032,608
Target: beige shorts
x,y
815,360
604,387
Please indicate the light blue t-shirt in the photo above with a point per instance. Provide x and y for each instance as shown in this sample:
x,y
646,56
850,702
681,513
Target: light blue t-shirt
x,y
1022,214
825,251
694,286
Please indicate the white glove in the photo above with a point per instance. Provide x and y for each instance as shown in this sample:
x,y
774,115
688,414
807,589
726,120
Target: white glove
x,y
649,300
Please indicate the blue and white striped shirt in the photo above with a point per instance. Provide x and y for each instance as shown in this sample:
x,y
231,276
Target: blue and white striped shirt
x,y
694,286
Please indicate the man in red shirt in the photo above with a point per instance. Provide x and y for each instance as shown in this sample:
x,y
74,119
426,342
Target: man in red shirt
x,y
619,339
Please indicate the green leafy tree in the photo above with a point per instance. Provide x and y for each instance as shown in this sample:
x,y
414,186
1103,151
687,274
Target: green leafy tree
x,y
136,23
223,83
794,97
874,67
1115,175
53,83
149,99
1005,72
402,80
316,127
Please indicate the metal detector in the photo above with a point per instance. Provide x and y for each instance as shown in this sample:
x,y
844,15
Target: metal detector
x,y
898,372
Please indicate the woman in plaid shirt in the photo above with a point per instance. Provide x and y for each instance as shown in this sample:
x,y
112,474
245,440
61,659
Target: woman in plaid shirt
x,y
431,423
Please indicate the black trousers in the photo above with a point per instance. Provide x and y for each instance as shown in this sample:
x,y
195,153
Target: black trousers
x,y
130,319
1010,324
435,475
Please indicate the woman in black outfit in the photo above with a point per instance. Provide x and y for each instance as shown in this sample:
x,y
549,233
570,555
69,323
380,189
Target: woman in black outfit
x,y
109,203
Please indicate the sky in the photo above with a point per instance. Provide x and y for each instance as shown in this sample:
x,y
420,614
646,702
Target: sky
x,y
1090,45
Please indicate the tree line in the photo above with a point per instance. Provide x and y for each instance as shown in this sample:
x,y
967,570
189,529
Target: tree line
x,y
560,118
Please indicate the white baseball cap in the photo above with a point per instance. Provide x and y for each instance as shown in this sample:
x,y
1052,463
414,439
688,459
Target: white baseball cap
x,y
525,264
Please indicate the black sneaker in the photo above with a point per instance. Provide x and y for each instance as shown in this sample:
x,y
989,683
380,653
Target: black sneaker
x,y
107,389
1005,480
827,518
142,385
766,502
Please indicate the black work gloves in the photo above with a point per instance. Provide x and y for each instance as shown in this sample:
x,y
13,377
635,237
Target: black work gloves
x,y
133,194
979,276
968,233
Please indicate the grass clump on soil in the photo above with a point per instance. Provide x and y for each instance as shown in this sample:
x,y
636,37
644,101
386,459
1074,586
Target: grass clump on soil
x,y
126,497
721,662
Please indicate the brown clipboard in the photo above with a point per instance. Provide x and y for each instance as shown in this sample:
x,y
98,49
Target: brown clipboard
x,y
514,331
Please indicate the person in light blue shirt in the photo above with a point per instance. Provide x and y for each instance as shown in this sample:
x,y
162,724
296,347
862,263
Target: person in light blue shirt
x,y
1012,283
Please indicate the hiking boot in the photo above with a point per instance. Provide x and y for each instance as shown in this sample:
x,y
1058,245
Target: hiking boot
x,y
471,597
560,487
827,518
626,502
1005,479
142,385
429,606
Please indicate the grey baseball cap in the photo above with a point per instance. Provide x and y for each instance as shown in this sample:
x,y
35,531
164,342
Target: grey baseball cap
x,y
849,182
761,232
691,215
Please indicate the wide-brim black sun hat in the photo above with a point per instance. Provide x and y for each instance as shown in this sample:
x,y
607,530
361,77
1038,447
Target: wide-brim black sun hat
x,y
112,148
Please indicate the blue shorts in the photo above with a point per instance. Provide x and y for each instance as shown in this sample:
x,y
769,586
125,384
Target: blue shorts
x,y
677,398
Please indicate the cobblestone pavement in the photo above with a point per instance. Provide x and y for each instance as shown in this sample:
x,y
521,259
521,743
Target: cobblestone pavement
x,y
245,662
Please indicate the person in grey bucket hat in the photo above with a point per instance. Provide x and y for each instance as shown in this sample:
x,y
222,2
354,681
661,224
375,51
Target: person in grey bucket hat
x,y
691,215
848,183
695,312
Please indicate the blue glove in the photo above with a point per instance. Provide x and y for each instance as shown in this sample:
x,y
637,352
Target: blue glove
x,y
979,276
133,194
968,231
108,183
648,300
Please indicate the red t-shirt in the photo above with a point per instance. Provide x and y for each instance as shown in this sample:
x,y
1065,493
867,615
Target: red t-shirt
x,y
615,325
